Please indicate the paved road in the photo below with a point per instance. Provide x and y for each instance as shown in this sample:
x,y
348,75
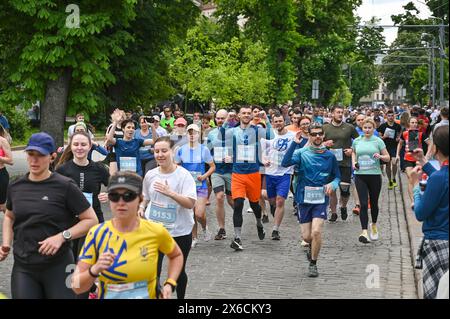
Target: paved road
x,y
278,270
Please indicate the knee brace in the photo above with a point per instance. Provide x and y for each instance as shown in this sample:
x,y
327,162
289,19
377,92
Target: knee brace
x,y
345,189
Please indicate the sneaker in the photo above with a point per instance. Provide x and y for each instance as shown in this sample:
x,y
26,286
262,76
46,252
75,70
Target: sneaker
x,y
373,233
250,210
276,235
194,243
394,183
313,272
391,185
309,254
221,235
357,210
236,244
344,214
261,232
333,218
265,219
206,234
304,244
295,212
363,238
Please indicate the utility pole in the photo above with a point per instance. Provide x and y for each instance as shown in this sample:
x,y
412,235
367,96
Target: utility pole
x,y
442,56
429,72
433,72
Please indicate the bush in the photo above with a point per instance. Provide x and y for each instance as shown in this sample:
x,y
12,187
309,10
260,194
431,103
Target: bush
x,y
18,122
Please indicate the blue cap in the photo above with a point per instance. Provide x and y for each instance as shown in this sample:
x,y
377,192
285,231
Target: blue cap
x,y
41,142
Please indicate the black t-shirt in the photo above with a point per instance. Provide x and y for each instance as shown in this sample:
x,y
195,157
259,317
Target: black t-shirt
x,y
88,178
391,143
41,210
118,133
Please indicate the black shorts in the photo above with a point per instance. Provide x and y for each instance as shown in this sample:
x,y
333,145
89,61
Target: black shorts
x,y
346,174
4,181
111,157
410,164
392,152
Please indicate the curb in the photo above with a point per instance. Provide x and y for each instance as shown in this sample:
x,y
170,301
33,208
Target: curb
x,y
414,232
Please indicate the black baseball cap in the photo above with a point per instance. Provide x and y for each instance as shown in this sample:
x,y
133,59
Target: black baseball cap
x,y
127,180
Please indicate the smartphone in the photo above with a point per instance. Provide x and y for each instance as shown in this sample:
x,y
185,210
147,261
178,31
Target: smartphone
x,y
149,119
413,140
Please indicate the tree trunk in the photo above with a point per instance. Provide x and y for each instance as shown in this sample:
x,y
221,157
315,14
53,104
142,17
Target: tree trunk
x,y
53,111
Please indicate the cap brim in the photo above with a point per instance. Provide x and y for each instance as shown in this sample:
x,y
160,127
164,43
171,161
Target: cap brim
x,y
126,186
38,149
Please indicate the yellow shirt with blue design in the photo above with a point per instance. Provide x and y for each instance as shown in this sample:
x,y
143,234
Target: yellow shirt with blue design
x,y
136,257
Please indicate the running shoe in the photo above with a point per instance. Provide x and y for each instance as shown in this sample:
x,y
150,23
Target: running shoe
x,y
194,243
363,238
394,183
261,232
236,244
265,219
221,234
304,244
344,213
333,218
373,233
357,210
206,234
391,185
313,272
276,235
250,210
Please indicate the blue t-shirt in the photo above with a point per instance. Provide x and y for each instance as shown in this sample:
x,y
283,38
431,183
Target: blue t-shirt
x,y
318,119
220,143
193,160
144,151
315,169
4,122
127,155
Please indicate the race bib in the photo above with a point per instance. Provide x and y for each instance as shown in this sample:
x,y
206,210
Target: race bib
x,y
135,290
389,133
128,164
89,197
314,195
338,153
195,175
220,153
366,163
163,214
246,153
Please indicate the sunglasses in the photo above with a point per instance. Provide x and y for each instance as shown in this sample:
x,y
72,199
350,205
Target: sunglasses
x,y
127,197
316,134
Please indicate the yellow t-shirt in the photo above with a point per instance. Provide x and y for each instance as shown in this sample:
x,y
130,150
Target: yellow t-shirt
x,y
136,257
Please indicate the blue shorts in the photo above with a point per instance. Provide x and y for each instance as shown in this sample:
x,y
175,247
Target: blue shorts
x,y
306,212
278,185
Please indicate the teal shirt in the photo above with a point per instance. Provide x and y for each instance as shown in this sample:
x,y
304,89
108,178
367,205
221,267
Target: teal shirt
x,y
364,149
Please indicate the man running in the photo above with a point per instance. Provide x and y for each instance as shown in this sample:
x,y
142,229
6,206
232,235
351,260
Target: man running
x,y
338,136
246,179
278,178
220,142
318,178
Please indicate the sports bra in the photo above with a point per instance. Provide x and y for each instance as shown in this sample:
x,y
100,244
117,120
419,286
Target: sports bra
x,y
2,152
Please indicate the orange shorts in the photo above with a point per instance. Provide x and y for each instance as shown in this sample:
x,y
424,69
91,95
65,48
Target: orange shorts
x,y
246,186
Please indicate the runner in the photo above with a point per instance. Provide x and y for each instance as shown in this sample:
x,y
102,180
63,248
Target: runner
x,y
278,178
6,157
168,120
412,139
338,136
220,144
147,131
318,178
127,149
123,252
390,133
193,157
431,208
170,189
246,179
41,213
368,150
179,133
118,134
295,126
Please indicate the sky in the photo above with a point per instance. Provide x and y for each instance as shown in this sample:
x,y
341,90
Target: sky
x,y
383,9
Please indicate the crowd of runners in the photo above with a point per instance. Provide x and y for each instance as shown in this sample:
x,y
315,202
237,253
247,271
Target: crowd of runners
x,y
161,170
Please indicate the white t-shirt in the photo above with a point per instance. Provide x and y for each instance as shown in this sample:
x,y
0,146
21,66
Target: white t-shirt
x,y
274,150
181,182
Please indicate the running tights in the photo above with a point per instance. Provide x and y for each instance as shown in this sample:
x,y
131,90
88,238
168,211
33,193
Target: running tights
x,y
368,186
237,211
184,242
49,281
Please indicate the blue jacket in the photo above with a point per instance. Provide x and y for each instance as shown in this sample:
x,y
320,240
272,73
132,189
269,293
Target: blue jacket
x,y
432,206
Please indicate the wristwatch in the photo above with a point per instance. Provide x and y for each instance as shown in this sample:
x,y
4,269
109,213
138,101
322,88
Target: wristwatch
x,y
67,235
172,283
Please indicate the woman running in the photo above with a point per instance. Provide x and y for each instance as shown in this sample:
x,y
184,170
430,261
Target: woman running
x,y
123,252
368,150
44,212
5,158
146,132
194,157
169,198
